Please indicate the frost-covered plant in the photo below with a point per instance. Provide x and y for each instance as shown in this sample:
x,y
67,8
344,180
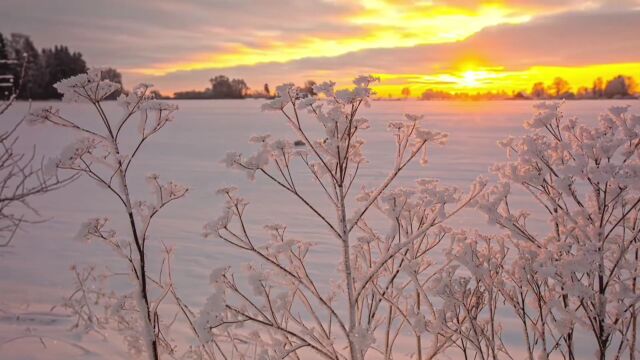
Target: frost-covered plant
x,y
281,310
471,294
104,155
580,271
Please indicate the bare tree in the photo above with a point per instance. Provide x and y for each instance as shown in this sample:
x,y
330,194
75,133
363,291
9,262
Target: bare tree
x,y
22,175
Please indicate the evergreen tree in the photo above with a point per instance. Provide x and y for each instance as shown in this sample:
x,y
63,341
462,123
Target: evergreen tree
x,y
114,76
6,70
620,87
59,63
34,76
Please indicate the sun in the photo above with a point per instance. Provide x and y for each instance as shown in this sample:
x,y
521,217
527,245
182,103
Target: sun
x,y
471,78
479,78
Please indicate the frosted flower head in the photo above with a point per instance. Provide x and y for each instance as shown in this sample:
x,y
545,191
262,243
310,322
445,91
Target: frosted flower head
x,y
506,143
259,139
141,89
73,152
618,111
152,177
231,159
276,104
345,96
41,115
86,87
326,88
395,126
136,98
287,91
217,275
438,137
275,227
306,103
158,105
546,113
365,80
363,338
213,227
413,117
227,190
94,227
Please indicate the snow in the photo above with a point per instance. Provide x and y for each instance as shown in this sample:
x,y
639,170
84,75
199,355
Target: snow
x,y
35,268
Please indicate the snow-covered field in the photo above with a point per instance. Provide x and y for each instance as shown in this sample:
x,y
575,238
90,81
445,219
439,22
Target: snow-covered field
x,y
34,270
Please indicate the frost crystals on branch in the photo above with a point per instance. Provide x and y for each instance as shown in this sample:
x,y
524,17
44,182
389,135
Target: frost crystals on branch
x,y
105,156
580,272
283,311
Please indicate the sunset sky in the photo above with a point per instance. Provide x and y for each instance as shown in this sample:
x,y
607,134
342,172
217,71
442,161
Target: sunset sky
x,y
452,45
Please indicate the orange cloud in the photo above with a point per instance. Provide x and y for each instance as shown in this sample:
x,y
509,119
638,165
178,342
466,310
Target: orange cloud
x,y
379,24
402,42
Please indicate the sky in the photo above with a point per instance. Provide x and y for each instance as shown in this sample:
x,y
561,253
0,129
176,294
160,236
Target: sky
x,y
450,45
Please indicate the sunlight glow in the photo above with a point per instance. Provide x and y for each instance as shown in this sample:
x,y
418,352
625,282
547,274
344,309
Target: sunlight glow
x,y
494,79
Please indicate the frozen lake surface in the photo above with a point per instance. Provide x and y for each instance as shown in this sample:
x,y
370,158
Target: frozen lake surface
x,y
34,270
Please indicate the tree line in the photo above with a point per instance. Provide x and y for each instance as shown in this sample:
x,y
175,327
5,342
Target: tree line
x,y
30,73
223,87
619,87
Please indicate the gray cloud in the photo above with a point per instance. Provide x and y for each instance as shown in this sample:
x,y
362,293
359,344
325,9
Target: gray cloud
x,y
124,33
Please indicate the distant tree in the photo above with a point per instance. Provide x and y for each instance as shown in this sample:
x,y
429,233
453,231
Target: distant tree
x,y
41,69
6,70
598,88
519,95
220,85
632,86
584,92
224,88
406,92
157,95
3,49
239,89
114,76
34,78
267,90
538,90
431,94
221,88
59,63
193,94
559,87
620,86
